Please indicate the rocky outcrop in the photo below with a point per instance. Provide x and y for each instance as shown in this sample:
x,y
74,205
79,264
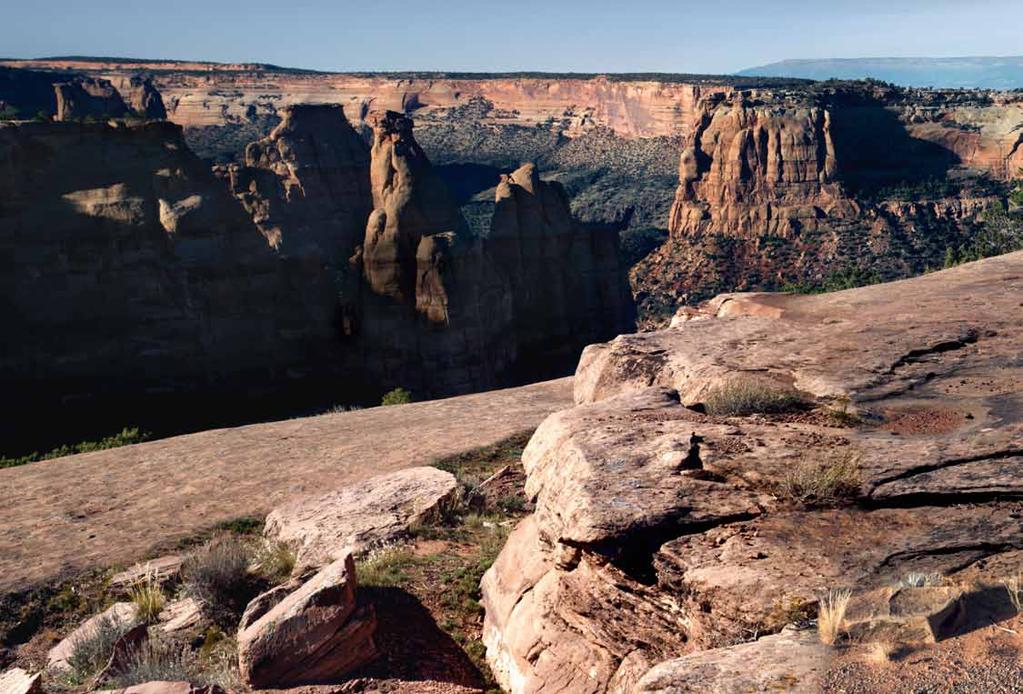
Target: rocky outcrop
x,y
121,615
410,203
663,535
835,184
306,184
142,97
316,634
88,98
130,274
567,282
361,517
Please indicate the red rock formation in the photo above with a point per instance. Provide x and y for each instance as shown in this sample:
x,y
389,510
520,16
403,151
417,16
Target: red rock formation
x,y
131,275
306,184
410,203
88,98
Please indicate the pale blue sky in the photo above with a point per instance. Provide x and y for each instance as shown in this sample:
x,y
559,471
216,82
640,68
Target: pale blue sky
x,y
711,36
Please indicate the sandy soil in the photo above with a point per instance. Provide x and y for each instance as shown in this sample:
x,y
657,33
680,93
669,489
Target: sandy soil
x,y
110,507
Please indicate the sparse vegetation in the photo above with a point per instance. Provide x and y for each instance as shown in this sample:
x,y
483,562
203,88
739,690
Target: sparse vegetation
x,y
385,568
398,396
158,660
1014,587
147,595
822,482
920,580
217,575
91,653
840,413
125,437
275,561
746,396
831,614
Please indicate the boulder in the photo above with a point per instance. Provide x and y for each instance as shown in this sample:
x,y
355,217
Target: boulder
x,y
266,601
792,661
122,613
316,634
362,516
18,681
163,569
182,616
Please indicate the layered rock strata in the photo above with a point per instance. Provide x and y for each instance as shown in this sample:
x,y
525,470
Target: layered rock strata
x,y
663,535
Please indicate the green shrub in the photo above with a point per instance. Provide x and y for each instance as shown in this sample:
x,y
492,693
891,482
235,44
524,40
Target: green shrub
x,y
125,437
385,568
741,397
398,396
217,575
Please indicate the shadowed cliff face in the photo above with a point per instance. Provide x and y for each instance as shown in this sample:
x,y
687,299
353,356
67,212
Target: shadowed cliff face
x,y
305,185
133,282
141,286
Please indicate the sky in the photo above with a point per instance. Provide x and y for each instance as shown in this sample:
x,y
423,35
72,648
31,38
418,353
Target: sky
x,y
710,36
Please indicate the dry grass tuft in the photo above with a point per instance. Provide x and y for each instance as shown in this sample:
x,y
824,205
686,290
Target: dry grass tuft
x,y
147,595
831,614
823,482
217,575
275,561
879,652
746,396
158,660
1014,587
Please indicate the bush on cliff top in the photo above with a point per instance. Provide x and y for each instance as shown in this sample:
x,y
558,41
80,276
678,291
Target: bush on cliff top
x,y
398,396
741,397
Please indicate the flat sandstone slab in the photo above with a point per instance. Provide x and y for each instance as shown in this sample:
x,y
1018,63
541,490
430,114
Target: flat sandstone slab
x,y
109,507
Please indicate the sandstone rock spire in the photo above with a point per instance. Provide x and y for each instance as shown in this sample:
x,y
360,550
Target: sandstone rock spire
x,y
410,202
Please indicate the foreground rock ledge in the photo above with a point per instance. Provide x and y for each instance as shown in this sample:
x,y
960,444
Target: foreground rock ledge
x,y
663,536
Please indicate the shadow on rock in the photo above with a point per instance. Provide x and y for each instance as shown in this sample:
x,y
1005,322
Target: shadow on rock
x,y
412,646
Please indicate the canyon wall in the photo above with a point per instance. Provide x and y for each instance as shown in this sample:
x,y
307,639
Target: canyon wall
x,y
143,285
132,280
838,185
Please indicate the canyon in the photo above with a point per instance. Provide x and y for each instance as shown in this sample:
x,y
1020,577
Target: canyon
x,y
143,283
715,183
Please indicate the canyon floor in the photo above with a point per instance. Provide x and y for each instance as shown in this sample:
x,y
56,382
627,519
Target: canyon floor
x,y
96,509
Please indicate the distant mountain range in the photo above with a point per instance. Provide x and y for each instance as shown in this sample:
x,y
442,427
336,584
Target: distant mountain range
x,y
977,72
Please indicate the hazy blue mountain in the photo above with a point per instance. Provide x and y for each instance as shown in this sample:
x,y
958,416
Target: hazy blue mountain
x,y
981,72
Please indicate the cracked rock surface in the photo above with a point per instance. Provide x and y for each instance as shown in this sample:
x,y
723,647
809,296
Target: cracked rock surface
x,y
669,548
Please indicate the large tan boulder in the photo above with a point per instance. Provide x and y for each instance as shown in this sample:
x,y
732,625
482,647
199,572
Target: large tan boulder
x,y
18,681
317,634
362,516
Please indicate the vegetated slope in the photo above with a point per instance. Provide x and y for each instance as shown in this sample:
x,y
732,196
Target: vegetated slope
x,y
982,72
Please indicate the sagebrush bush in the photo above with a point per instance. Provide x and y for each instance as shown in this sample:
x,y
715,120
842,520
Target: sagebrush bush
x,y
217,575
158,660
742,397
91,653
275,561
